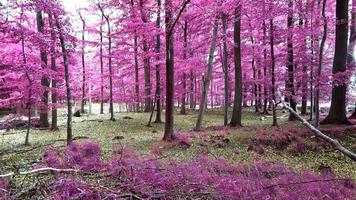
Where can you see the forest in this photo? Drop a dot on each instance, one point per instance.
(177, 99)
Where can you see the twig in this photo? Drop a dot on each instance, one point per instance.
(40, 170)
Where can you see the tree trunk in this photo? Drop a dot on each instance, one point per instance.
(158, 74)
(82, 110)
(337, 113)
(137, 86)
(192, 96)
(54, 125)
(237, 110)
(265, 88)
(44, 80)
(321, 54)
(24, 62)
(183, 110)
(305, 75)
(254, 72)
(273, 73)
(207, 77)
(101, 68)
(290, 65)
(146, 61)
(168, 128)
(225, 69)
(67, 79)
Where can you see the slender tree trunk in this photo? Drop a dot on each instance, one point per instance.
(312, 81)
(158, 74)
(67, 79)
(146, 61)
(137, 86)
(265, 88)
(290, 65)
(168, 128)
(305, 75)
(225, 69)
(254, 72)
(318, 75)
(184, 81)
(192, 96)
(101, 68)
(207, 77)
(237, 110)
(337, 113)
(273, 74)
(54, 125)
(44, 80)
(112, 118)
(24, 63)
(82, 110)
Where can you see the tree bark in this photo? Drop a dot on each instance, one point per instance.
(82, 110)
(207, 77)
(112, 118)
(67, 79)
(184, 81)
(237, 110)
(101, 68)
(265, 74)
(192, 92)
(158, 74)
(290, 65)
(225, 69)
(54, 125)
(146, 61)
(318, 75)
(337, 113)
(44, 80)
(274, 123)
(168, 128)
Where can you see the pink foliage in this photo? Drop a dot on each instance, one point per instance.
(202, 177)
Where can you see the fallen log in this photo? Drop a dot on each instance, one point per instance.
(335, 143)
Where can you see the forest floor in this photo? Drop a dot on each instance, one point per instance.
(133, 132)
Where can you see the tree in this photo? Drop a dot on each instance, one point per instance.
(337, 113)
(168, 128)
(44, 81)
(83, 64)
(207, 76)
(321, 54)
(225, 69)
(67, 79)
(237, 110)
(54, 125)
(290, 65)
(107, 19)
(158, 73)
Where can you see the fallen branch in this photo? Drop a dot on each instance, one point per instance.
(40, 170)
(335, 143)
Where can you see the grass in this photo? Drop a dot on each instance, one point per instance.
(142, 138)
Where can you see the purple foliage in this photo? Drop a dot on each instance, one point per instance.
(84, 156)
(199, 178)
